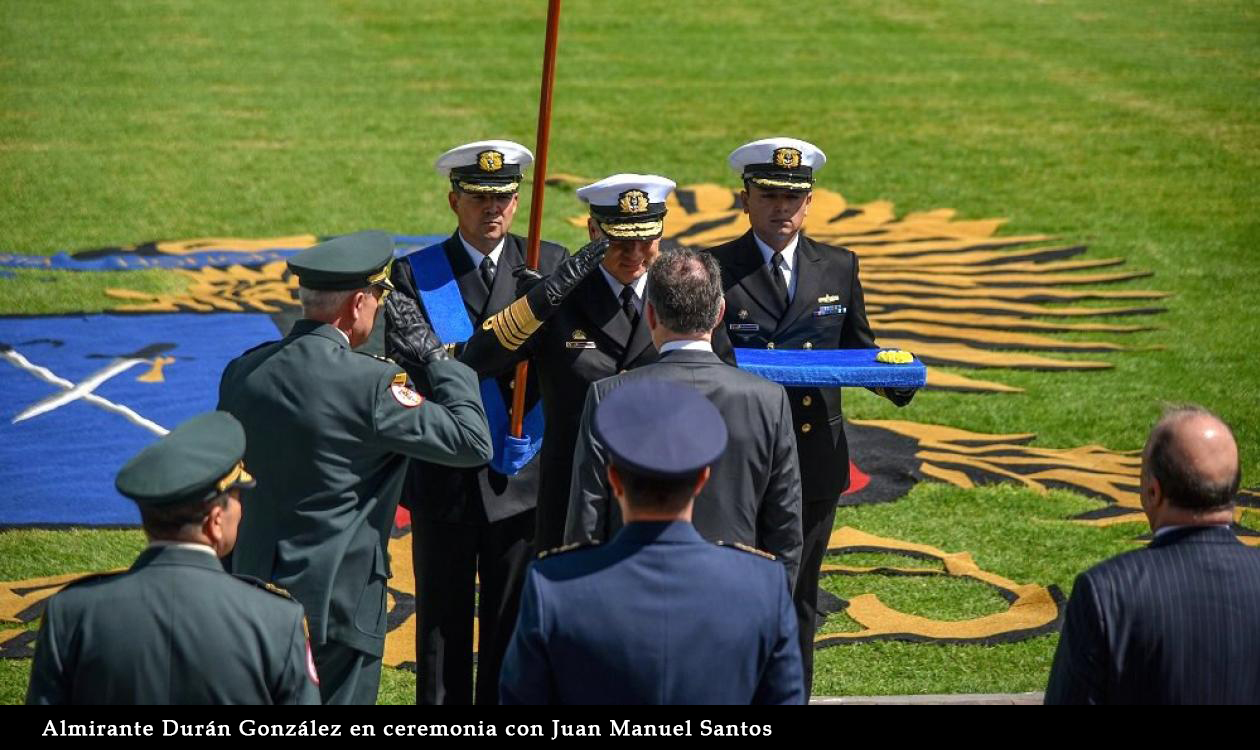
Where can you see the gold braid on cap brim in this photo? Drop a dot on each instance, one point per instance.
(786, 184)
(473, 187)
(514, 325)
(382, 276)
(237, 474)
(639, 230)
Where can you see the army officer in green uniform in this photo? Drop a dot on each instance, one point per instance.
(330, 431)
(175, 628)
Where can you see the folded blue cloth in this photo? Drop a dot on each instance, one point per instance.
(830, 368)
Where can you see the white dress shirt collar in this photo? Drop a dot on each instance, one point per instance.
(687, 345)
(789, 252)
(1168, 529)
(639, 286)
(185, 545)
(476, 255)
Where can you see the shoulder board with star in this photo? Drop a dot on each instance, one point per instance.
(264, 585)
(566, 548)
(748, 549)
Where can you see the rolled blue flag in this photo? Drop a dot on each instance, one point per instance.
(830, 368)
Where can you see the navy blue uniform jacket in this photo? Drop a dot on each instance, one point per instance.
(656, 616)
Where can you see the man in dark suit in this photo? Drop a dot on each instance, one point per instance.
(117, 638)
(658, 615)
(784, 291)
(579, 325)
(1178, 621)
(754, 496)
(471, 524)
(330, 431)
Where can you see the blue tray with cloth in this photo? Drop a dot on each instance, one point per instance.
(830, 368)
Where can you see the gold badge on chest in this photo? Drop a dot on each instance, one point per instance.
(577, 340)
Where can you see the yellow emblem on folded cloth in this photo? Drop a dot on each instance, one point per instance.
(894, 357)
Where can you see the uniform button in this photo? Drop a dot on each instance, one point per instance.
(770, 345)
(513, 385)
(807, 401)
(806, 427)
(809, 345)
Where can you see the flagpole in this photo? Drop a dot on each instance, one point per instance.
(536, 200)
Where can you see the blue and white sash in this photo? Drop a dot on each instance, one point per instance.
(435, 281)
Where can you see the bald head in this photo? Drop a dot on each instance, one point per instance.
(1192, 455)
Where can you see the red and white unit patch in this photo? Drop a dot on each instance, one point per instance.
(310, 664)
(405, 396)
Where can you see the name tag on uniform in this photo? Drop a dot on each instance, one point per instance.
(579, 344)
(743, 327)
(824, 310)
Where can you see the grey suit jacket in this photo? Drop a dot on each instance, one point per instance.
(754, 494)
(1177, 622)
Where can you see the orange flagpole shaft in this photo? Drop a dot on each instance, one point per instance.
(536, 201)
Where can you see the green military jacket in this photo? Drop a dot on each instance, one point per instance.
(174, 629)
(328, 431)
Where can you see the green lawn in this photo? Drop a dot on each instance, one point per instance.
(1132, 126)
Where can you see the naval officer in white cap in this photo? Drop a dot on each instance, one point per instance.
(785, 291)
(471, 524)
(582, 323)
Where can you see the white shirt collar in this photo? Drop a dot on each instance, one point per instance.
(1167, 529)
(185, 545)
(476, 255)
(344, 335)
(639, 285)
(687, 345)
(789, 252)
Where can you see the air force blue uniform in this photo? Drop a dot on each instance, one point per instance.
(657, 615)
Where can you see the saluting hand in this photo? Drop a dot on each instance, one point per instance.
(409, 338)
(572, 270)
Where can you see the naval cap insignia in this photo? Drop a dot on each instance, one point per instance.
(490, 161)
(633, 202)
(788, 158)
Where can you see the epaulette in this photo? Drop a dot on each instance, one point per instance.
(748, 549)
(264, 585)
(567, 548)
(256, 348)
(93, 577)
(375, 356)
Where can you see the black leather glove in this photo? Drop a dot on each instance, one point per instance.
(899, 396)
(409, 339)
(526, 279)
(544, 298)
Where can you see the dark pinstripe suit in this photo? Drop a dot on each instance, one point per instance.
(1177, 622)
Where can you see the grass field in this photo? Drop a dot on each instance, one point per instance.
(1131, 126)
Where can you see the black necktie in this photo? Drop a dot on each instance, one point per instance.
(780, 281)
(627, 306)
(487, 271)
